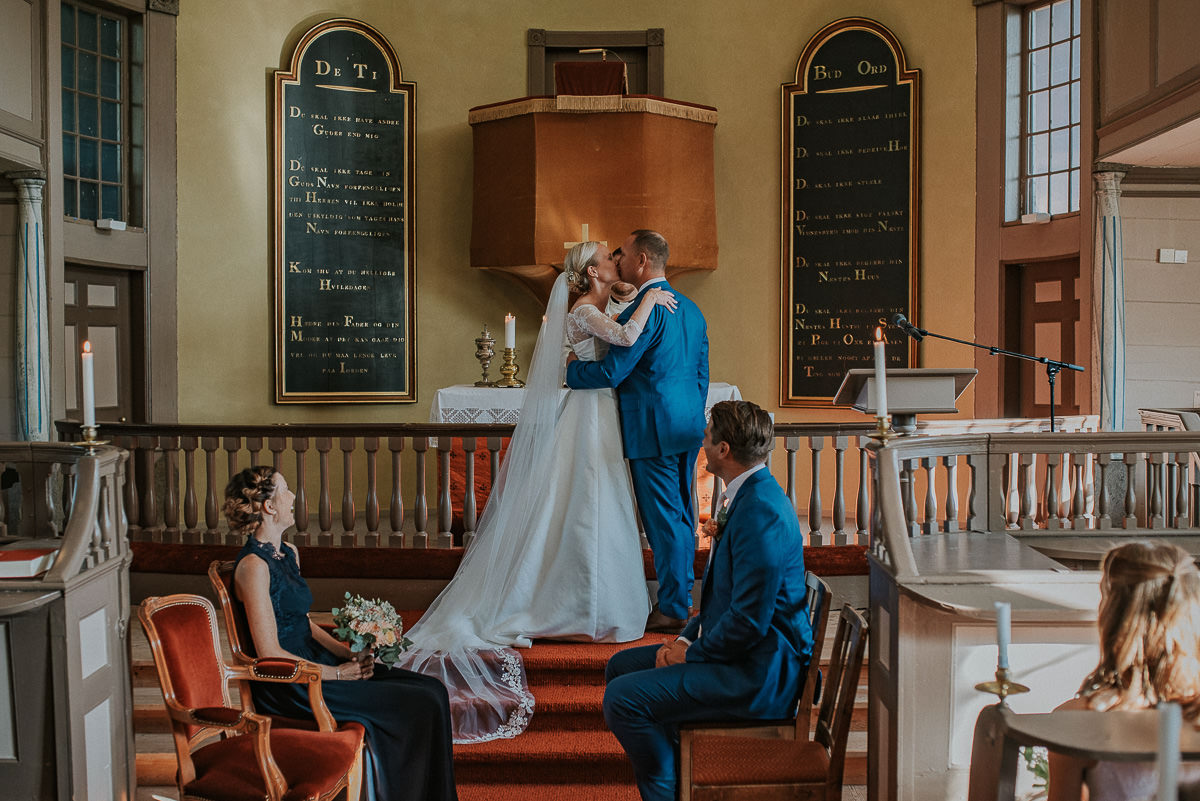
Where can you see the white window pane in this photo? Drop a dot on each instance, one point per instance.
(102, 296)
(1075, 59)
(1039, 111)
(1035, 197)
(1075, 27)
(104, 345)
(1060, 150)
(1039, 27)
(1060, 195)
(1074, 190)
(1038, 154)
(72, 361)
(1060, 21)
(1039, 69)
(1060, 63)
(1060, 106)
(1075, 103)
(1074, 145)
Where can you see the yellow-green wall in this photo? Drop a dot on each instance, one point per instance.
(463, 53)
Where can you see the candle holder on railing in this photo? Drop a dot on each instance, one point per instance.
(1001, 687)
(509, 370)
(485, 351)
(89, 438)
(883, 430)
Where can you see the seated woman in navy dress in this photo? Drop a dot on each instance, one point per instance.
(406, 715)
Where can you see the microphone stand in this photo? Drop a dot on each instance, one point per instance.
(1052, 366)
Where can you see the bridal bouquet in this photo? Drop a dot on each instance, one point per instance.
(374, 625)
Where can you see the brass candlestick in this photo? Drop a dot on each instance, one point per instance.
(485, 350)
(883, 431)
(1001, 687)
(89, 438)
(510, 369)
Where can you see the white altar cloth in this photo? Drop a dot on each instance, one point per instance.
(467, 403)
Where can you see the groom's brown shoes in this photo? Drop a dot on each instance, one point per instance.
(661, 623)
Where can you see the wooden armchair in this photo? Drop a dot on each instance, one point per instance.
(231, 754)
(727, 768)
(818, 599)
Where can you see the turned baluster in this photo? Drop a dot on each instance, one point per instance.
(349, 515)
(1154, 465)
(839, 490)
(1026, 515)
(908, 486)
(1078, 519)
(494, 444)
(371, 446)
(930, 525)
(420, 537)
(790, 446)
(863, 507)
(232, 445)
(1105, 518)
(132, 514)
(301, 537)
(1130, 460)
(191, 510)
(1063, 510)
(1183, 518)
(277, 445)
(1050, 502)
(445, 511)
(468, 445)
(324, 499)
(950, 463)
(1012, 496)
(972, 491)
(210, 445)
(816, 444)
(170, 447)
(254, 447)
(396, 501)
(1171, 493)
(149, 451)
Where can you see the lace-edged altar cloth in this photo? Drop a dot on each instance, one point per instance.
(467, 403)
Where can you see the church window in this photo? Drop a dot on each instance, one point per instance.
(1043, 112)
(102, 114)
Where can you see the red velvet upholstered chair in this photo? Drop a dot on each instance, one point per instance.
(231, 754)
(731, 768)
(819, 600)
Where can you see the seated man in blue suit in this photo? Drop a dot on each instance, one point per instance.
(745, 655)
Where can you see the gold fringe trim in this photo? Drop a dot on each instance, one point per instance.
(592, 104)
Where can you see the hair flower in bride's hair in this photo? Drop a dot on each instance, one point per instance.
(371, 625)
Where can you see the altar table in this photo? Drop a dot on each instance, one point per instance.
(467, 403)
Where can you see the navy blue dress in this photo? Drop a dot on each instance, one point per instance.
(406, 714)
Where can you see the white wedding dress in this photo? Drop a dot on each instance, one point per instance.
(556, 554)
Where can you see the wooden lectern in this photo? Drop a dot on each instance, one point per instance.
(911, 391)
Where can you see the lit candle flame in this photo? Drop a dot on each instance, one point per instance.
(878, 334)
(87, 346)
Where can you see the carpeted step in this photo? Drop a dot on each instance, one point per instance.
(544, 757)
(475, 791)
(568, 708)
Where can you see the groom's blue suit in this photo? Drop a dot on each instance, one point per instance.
(751, 642)
(662, 384)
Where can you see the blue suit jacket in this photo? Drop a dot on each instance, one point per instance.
(752, 640)
(661, 380)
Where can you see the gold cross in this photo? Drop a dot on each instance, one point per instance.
(583, 237)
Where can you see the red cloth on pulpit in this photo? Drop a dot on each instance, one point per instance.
(589, 78)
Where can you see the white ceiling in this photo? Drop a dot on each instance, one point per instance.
(1178, 147)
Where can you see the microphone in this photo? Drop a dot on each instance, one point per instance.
(904, 325)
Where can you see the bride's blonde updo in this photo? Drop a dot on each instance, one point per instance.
(1149, 622)
(245, 495)
(578, 260)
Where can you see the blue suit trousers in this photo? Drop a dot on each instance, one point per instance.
(663, 488)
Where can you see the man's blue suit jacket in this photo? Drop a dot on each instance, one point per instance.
(752, 640)
(661, 380)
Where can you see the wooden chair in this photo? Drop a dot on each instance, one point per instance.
(231, 754)
(237, 627)
(728, 768)
(818, 602)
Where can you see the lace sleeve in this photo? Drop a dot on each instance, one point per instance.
(599, 324)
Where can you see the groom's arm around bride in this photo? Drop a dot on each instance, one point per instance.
(745, 655)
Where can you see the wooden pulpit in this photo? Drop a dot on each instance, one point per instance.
(910, 390)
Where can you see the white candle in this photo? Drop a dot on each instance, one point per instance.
(880, 375)
(510, 331)
(1003, 633)
(1170, 718)
(89, 386)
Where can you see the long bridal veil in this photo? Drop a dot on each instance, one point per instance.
(458, 638)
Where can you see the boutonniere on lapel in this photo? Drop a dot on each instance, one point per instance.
(715, 526)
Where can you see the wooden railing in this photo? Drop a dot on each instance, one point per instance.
(1033, 484)
(374, 485)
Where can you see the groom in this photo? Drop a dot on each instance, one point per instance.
(662, 384)
(745, 655)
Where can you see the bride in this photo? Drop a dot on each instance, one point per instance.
(556, 553)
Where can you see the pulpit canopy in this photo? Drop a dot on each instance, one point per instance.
(542, 174)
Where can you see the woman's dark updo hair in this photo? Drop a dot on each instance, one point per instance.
(245, 495)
